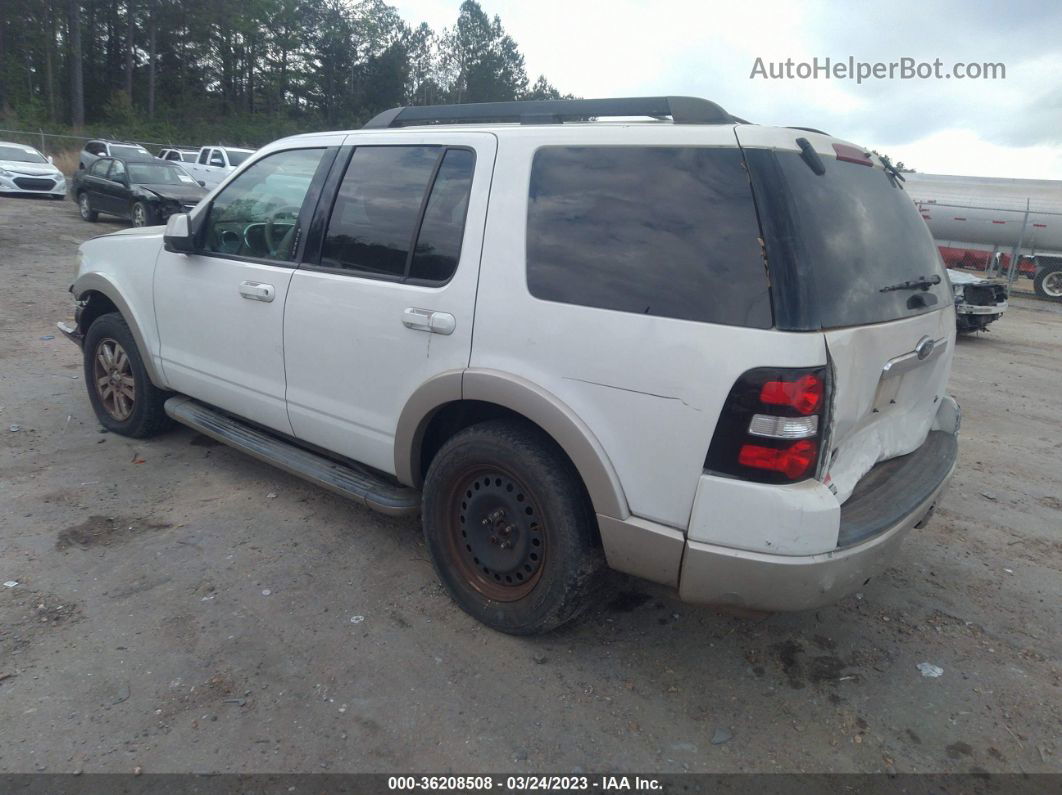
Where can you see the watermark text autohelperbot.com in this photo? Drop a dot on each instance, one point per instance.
(851, 69)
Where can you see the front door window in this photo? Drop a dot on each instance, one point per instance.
(257, 214)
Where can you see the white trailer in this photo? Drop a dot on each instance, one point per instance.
(1022, 217)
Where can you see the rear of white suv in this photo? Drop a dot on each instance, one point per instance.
(710, 354)
(758, 335)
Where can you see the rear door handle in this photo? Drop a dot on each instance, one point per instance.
(429, 320)
(256, 291)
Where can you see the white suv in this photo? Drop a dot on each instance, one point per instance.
(707, 353)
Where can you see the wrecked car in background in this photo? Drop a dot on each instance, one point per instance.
(978, 301)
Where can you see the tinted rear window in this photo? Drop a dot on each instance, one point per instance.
(395, 197)
(665, 231)
(130, 152)
(835, 241)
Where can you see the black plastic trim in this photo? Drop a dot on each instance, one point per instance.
(893, 489)
(681, 110)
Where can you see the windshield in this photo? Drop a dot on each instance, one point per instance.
(130, 152)
(20, 154)
(845, 248)
(158, 174)
(236, 156)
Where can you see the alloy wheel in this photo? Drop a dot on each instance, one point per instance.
(83, 205)
(113, 378)
(139, 216)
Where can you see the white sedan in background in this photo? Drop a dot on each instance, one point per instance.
(25, 170)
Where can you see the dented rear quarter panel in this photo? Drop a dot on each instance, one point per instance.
(650, 388)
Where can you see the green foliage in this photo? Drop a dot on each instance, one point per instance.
(243, 71)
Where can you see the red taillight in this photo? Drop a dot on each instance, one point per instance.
(772, 426)
(804, 394)
(792, 461)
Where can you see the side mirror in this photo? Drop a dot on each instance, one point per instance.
(178, 237)
(50, 160)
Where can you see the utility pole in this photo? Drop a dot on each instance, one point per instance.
(1012, 271)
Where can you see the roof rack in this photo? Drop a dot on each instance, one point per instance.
(681, 110)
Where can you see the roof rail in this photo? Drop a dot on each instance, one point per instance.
(682, 110)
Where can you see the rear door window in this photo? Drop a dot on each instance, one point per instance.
(400, 213)
(664, 231)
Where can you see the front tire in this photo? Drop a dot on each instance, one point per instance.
(143, 215)
(83, 206)
(510, 528)
(1048, 282)
(121, 393)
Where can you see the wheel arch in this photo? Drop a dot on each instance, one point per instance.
(100, 296)
(453, 400)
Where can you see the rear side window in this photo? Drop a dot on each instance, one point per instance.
(400, 213)
(664, 231)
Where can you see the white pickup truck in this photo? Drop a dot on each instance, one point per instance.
(214, 163)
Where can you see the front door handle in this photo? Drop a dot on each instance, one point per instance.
(429, 320)
(256, 291)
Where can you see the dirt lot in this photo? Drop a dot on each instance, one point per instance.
(181, 607)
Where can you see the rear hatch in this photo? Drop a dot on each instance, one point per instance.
(850, 257)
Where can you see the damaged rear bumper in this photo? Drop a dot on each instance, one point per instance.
(720, 575)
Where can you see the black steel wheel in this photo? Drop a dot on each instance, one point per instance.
(510, 528)
(498, 540)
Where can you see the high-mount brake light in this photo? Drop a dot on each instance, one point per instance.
(772, 425)
(852, 154)
(804, 394)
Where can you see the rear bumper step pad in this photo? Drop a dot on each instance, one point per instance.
(373, 491)
(893, 488)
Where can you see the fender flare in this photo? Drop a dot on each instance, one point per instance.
(525, 398)
(97, 283)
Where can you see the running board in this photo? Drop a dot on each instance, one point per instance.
(362, 486)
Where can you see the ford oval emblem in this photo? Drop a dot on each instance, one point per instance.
(924, 348)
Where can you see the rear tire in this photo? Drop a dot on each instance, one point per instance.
(1048, 282)
(510, 528)
(87, 213)
(121, 393)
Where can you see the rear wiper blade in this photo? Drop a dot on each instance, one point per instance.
(921, 283)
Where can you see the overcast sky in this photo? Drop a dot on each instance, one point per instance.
(1003, 128)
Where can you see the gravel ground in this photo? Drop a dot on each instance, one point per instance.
(181, 607)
